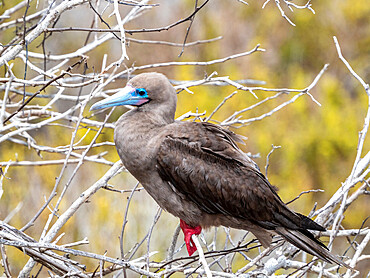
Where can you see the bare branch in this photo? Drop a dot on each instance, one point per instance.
(48, 20)
(51, 76)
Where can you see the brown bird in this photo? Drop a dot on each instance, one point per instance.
(196, 171)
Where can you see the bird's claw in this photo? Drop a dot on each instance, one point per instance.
(188, 232)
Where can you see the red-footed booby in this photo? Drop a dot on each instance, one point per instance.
(196, 171)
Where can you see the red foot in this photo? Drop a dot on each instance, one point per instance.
(188, 232)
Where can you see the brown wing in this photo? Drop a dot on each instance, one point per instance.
(212, 139)
(207, 174)
(206, 166)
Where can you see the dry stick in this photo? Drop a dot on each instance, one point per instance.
(125, 220)
(15, 238)
(2, 176)
(341, 57)
(189, 271)
(347, 233)
(207, 63)
(259, 257)
(32, 221)
(136, 247)
(55, 116)
(5, 263)
(58, 267)
(13, 212)
(25, 43)
(101, 267)
(6, 94)
(82, 156)
(95, 78)
(209, 255)
(308, 6)
(12, 237)
(216, 260)
(361, 140)
(135, 3)
(122, 31)
(341, 195)
(225, 80)
(208, 80)
(53, 193)
(37, 246)
(65, 149)
(268, 159)
(20, 82)
(42, 73)
(361, 190)
(171, 249)
(12, 23)
(187, 84)
(305, 91)
(211, 62)
(220, 105)
(237, 113)
(231, 120)
(82, 104)
(156, 218)
(12, 10)
(188, 30)
(75, 170)
(131, 14)
(49, 19)
(65, 97)
(168, 26)
(357, 254)
(367, 118)
(38, 125)
(277, 2)
(43, 88)
(202, 259)
(304, 192)
(56, 162)
(227, 253)
(174, 44)
(72, 210)
(61, 150)
(228, 239)
(241, 1)
(310, 268)
(97, 15)
(81, 51)
(359, 164)
(110, 188)
(268, 114)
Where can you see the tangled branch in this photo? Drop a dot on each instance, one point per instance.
(53, 97)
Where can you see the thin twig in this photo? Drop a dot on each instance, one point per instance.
(202, 259)
(268, 157)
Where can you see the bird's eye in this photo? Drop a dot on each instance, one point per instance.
(141, 92)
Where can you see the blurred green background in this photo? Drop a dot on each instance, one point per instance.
(318, 144)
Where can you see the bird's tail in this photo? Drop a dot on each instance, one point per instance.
(307, 242)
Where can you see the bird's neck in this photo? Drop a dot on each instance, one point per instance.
(146, 120)
(135, 136)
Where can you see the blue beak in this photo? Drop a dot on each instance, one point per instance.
(127, 96)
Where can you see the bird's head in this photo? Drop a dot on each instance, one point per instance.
(144, 89)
